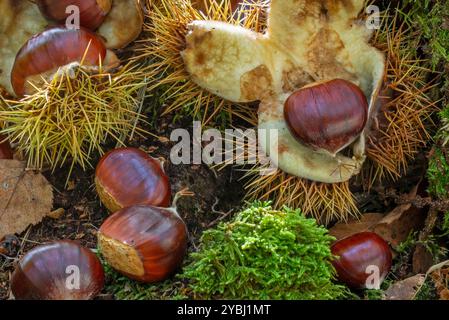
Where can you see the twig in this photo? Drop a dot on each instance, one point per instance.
(419, 202)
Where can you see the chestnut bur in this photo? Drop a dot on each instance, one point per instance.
(55, 47)
(359, 256)
(327, 115)
(45, 272)
(92, 12)
(128, 176)
(144, 243)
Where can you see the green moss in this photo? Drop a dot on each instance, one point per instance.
(431, 18)
(445, 224)
(378, 294)
(427, 291)
(126, 289)
(438, 174)
(264, 254)
(405, 249)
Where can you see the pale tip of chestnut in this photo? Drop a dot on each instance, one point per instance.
(121, 256)
(144, 243)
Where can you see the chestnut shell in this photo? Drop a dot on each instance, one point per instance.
(327, 115)
(128, 176)
(54, 48)
(92, 12)
(42, 273)
(144, 243)
(356, 253)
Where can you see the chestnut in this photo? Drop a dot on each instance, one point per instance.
(5, 149)
(56, 47)
(92, 12)
(143, 242)
(327, 115)
(359, 256)
(62, 270)
(128, 176)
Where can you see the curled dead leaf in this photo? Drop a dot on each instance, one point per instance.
(57, 214)
(345, 229)
(440, 278)
(405, 289)
(396, 226)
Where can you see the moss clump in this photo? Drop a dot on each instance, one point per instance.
(123, 288)
(445, 224)
(438, 174)
(432, 20)
(264, 254)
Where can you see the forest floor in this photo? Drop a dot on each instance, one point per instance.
(217, 194)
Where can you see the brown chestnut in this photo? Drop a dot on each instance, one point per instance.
(359, 257)
(5, 149)
(327, 115)
(143, 242)
(44, 53)
(92, 12)
(128, 176)
(61, 270)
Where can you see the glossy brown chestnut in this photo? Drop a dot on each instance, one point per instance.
(92, 12)
(51, 49)
(61, 270)
(128, 176)
(143, 242)
(358, 256)
(5, 149)
(327, 115)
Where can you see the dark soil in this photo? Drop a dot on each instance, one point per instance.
(217, 194)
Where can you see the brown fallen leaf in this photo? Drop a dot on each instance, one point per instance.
(57, 214)
(26, 197)
(405, 289)
(422, 259)
(342, 230)
(70, 185)
(441, 280)
(396, 226)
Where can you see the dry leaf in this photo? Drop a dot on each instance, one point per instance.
(26, 197)
(405, 289)
(441, 280)
(342, 230)
(422, 259)
(396, 226)
(57, 214)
